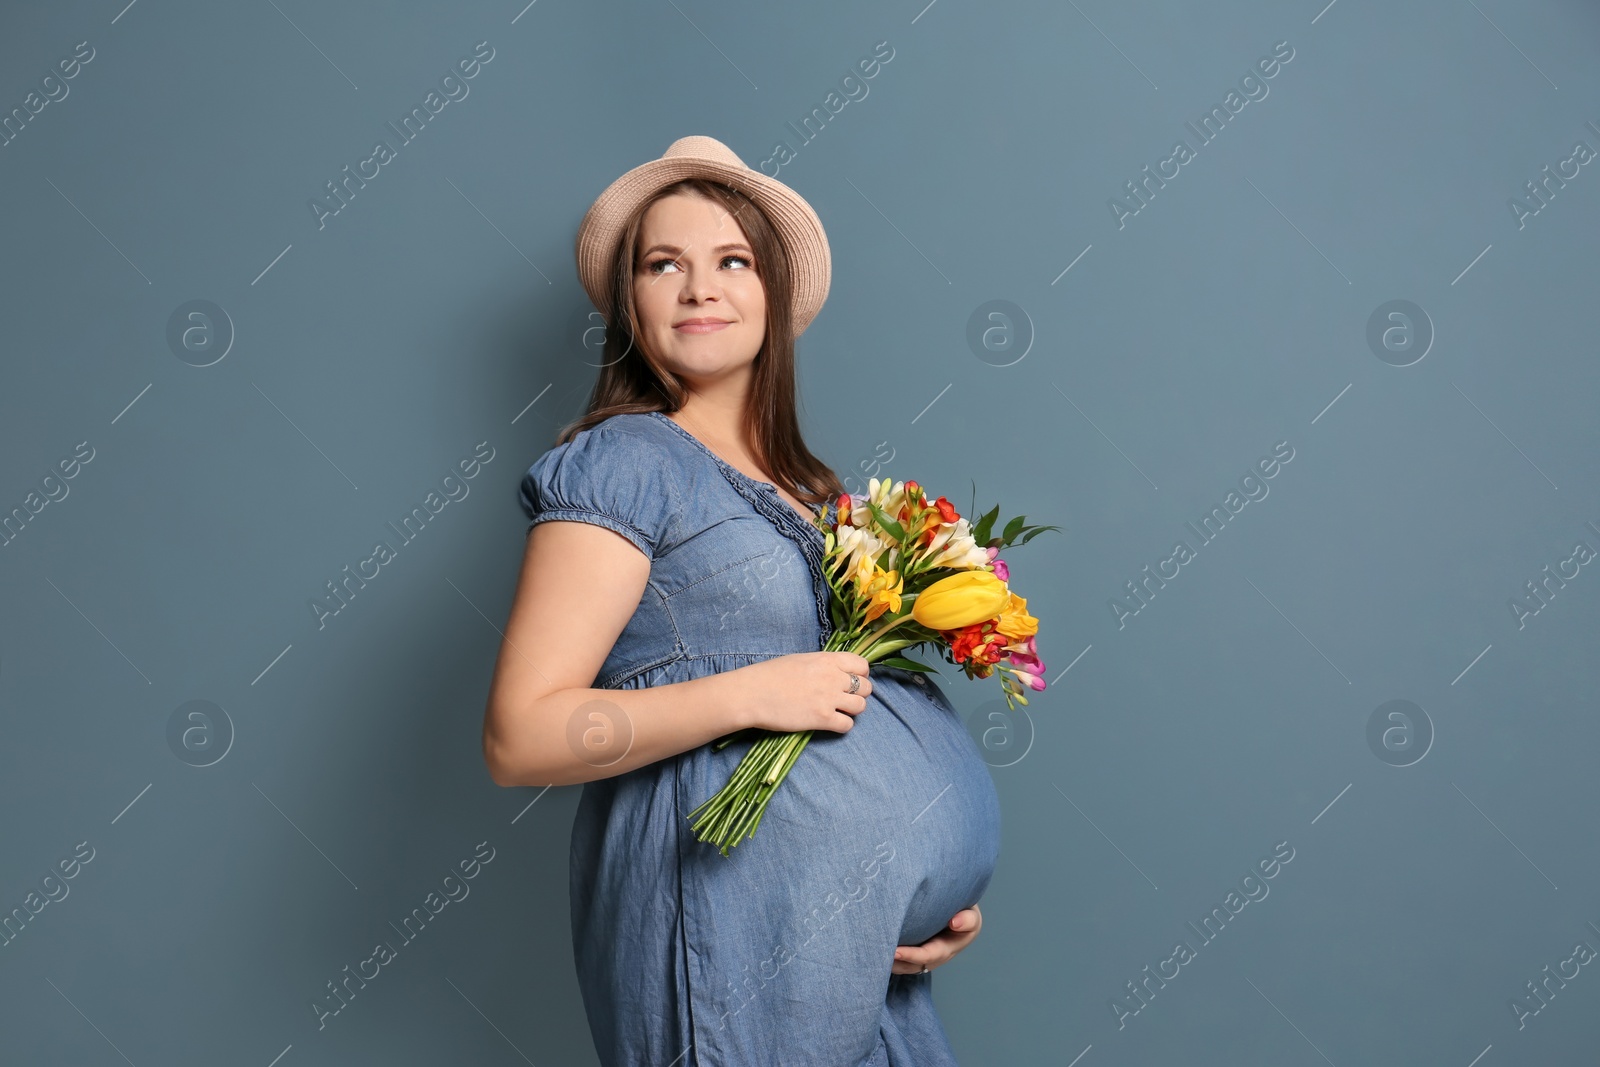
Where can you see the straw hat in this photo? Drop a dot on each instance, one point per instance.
(798, 226)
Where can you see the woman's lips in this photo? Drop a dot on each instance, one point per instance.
(702, 327)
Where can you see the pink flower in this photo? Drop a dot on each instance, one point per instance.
(1026, 664)
(1001, 571)
(1023, 662)
(1031, 680)
(1028, 646)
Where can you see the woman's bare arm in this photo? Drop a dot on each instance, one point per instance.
(579, 586)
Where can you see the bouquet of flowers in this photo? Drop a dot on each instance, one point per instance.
(903, 571)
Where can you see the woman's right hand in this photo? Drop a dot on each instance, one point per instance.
(802, 691)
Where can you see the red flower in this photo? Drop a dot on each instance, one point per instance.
(978, 643)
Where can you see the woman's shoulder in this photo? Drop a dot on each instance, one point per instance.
(620, 467)
(640, 431)
(625, 440)
(643, 426)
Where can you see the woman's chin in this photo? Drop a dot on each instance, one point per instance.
(696, 359)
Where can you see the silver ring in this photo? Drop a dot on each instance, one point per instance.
(855, 684)
(924, 969)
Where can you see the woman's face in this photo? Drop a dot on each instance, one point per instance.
(695, 264)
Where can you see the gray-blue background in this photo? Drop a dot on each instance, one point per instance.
(366, 358)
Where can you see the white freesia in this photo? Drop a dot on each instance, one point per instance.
(941, 538)
(953, 546)
(890, 496)
(970, 558)
(859, 550)
(848, 538)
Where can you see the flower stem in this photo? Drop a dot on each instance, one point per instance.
(872, 638)
(736, 810)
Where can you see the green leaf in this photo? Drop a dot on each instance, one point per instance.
(905, 664)
(1035, 531)
(980, 529)
(1013, 527)
(892, 528)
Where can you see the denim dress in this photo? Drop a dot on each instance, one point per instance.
(780, 953)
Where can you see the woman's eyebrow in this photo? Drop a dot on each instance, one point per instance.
(675, 250)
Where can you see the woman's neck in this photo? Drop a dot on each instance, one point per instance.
(716, 415)
(718, 422)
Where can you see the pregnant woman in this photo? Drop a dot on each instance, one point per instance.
(672, 594)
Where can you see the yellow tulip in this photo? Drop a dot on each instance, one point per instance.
(961, 600)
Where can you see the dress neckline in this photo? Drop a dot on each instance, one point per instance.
(764, 498)
(735, 473)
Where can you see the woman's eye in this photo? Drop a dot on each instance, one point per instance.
(651, 267)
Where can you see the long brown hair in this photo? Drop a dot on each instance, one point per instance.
(631, 380)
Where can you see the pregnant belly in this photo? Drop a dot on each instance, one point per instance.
(901, 806)
(876, 838)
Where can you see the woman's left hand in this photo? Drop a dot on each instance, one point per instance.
(942, 946)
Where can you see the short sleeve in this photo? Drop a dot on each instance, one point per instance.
(605, 476)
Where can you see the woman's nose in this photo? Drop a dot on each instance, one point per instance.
(700, 285)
